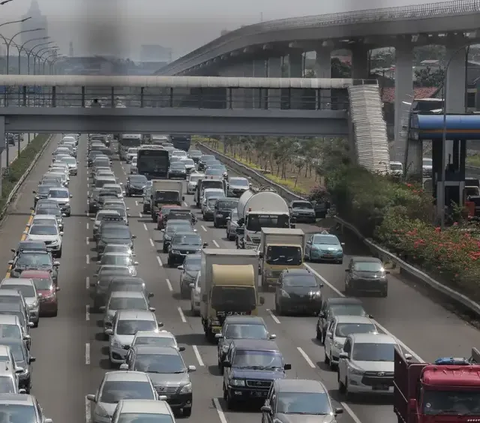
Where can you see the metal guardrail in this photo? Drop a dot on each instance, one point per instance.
(375, 249)
(412, 12)
(20, 182)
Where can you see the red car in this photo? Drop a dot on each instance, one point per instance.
(162, 214)
(47, 291)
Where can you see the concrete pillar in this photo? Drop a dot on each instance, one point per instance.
(274, 70)
(259, 71)
(235, 71)
(295, 69)
(403, 93)
(360, 62)
(323, 69)
(247, 93)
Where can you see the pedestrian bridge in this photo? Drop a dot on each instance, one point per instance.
(197, 105)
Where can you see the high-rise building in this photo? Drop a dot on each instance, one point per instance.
(155, 53)
(37, 21)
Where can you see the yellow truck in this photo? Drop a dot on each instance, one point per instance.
(228, 286)
(280, 249)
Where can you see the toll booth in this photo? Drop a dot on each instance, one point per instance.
(458, 128)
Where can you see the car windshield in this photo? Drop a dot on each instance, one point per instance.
(177, 165)
(213, 171)
(114, 391)
(373, 352)
(116, 232)
(187, 240)
(144, 417)
(211, 202)
(116, 208)
(10, 331)
(227, 204)
(114, 270)
(131, 327)
(284, 255)
(127, 304)
(45, 222)
(43, 230)
(138, 179)
(44, 189)
(258, 359)
(158, 341)
(456, 403)
(107, 214)
(19, 314)
(195, 178)
(307, 403)
(7, 386)
(216, 194)
(428, 162)
(159, 363)
(69, 160)
(188, 162)
(127, 286)
(345, 329)
(171, 229)
(246, 331)
(192, 263)
(238, 182)
(13, 413)
(114, 188)
(51, 211)
(325, 240)
(117, 249)
(27, 291)
(42, 284)
(117, 260)
(347, 310)
(307, 281)
(28, 259)
(368, 266)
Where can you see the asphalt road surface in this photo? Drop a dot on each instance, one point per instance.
(72, 355)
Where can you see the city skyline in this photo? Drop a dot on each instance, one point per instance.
(120, 27)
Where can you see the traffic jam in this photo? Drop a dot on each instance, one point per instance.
(229, 289)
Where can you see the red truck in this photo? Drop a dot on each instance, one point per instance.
(447, 391)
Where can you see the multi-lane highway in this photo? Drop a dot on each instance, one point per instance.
(71, 352)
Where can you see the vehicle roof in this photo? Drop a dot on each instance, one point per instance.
(255, 345)
(452, 375)
(366, 259)
(10, 293)
(17, 399)
(4, 349)
(24, 244)
(17, 281)
(183, 233)
(123, 375)
(8, 319)
(106, 267)
(126, 294)
(11, 307)
(36, 274)
(297, 272)
(144, 406)
(354, 319)
(106, 186)
(377, 338)
(344, 300)
(174, 222)
(58, 189)
(116, 253)
(44, 216)
(154, 334)
(299, 385)
(136, 315)
(154, 349)
(249, 320)
(107, 211)
(126, 279)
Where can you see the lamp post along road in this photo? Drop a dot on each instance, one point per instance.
(9, 43)
(31, 53)
(23, 48)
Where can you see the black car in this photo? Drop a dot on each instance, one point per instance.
(136, 185)
(202, 161)
(23, 359)
(127, 283)
(180, 214)
(29, 246)
(177, 170)
(302, 211)
(195, 155)
(34, 260)
(250, 368)
(183, 244)
(114, 234)
(168, 372)
(298, 291)
(239, 327)
(172, 228)
(366, 275)
(223, 207)
(190, 269)
(340, 306)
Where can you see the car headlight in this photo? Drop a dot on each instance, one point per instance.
(285, 294)
(337, 344)
(168, 238)
(101, 412)
(116, 344)
(175, 252)
(315, 294)
(225, 348)
(354, 371)
(186, 389)
(237, 382)
(34, 304)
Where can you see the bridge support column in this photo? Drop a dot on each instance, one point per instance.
(360, 62)
(274, 70)
(259, 71)
(248, 93)
(295, 64)
(235, 71)
(323, 69)
(403, 92)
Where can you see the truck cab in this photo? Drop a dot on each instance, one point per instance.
(447, 390)
(165, 192)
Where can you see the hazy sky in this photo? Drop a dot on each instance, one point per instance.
(121, 26)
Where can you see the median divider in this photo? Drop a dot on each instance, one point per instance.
(391, 262)
(19, 170)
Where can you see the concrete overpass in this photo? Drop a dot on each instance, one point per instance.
(263, 49)
(199, 105)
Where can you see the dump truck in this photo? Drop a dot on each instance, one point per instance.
(262, 209)
(280, 249)
(228, 285)
(165, 192)
(447, 390)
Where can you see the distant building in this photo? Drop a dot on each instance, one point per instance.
(71, 52)
(37, 21)
(155, 53)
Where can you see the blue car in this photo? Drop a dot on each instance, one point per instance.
(324, 247)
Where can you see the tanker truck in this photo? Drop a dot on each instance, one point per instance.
(257, 210)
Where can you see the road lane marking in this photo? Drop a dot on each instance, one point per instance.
(88, 193)
(87, 239)
(136, 202)
(87, 282)
(87, 353)
(275, 318)
(350, 412)
(216, 244)
(185, 204)
(341, 294)
(87, 312)
(87, 258)
(182, 316)
(218, 407)
(198, 356)
(88, 226)
(88, 411)
(170, 287)
(204, 228)
(140, 214)
(159, 261)
(145, 226)
(152, 243)
(307, 358)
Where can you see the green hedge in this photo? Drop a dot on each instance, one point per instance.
(20, 165)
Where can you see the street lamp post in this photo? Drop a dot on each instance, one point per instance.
(32, 53)
(22, 48)
(46, 60)
(38, 56)
(9, 43)
(46, 53)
